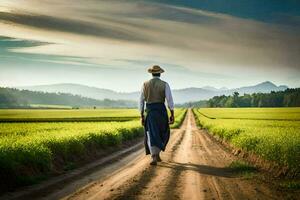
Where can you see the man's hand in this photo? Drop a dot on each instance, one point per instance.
(142, 120)
(172, 119)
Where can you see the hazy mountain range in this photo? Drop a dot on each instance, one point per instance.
(180, 95)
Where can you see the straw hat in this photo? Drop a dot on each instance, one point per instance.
(155, 69)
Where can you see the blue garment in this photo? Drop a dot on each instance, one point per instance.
(157, 124)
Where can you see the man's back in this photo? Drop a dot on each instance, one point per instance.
(154, 91)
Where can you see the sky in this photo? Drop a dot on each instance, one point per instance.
(110, 44)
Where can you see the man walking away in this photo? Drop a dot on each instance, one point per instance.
(156, 124)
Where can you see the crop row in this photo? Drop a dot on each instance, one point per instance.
(29, 150)
(58, 115)
(274, 140)
(69, 119)
(179, 117)
(287, 114)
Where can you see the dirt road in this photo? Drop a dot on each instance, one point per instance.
(194, 167)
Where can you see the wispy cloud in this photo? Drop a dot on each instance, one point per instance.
(116, 33)
(52, 23)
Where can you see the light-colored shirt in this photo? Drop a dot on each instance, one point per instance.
(168, 95)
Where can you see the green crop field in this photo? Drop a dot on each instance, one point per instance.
(272, 133)
(29, 150)
(289, 114)
(59, 115)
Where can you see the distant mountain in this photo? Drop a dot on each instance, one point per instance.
(83, 90)
(180, 95)
(210, 88)
(16, 98)
(192, 94)
(264, 87)
(223, 88)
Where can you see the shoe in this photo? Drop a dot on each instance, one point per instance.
(154, 160)
(158, 158)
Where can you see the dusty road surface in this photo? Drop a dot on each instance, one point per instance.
(194, 167)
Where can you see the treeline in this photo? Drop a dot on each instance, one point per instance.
(15, 98)
(286, 98)
(197, 104)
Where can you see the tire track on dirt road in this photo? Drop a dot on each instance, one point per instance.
(163, 178)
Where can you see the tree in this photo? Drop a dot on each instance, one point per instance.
(235, 99)
(289, 97)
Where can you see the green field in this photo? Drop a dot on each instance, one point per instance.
(289, 114)
(32, 149)
(272, 133)
(59, 115)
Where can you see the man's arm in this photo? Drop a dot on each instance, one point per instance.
(169, 98)
(141, 106)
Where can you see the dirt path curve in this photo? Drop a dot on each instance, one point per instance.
(193, 167)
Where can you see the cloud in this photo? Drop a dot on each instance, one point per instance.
(52, 23)
(10, 51)
(115, 33)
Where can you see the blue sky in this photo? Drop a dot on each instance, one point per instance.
(271, 11)
(110, 44)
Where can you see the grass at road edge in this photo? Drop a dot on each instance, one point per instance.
(243, 168)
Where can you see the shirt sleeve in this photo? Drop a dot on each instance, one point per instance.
(169, 97)
(142, 101)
